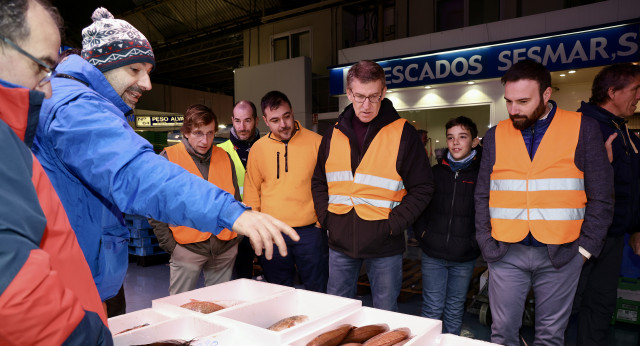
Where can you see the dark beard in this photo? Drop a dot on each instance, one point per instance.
(524, 121)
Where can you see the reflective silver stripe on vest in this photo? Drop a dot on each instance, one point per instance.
(375, 202)
(383, 183)
(339, 176)
(508, 213)
(550, 184)
(508, 185)
(548, 214)
(241, 190)
(556, 184)
(338, 199)
(557, 214)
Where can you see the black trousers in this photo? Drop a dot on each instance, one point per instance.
(595, 299)
(244, 260)
(117, 305)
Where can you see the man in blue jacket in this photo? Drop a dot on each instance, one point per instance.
(101, 168)
(614, 97)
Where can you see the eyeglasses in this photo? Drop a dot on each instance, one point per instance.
(360, 98)
(199, 134)
(51, 72)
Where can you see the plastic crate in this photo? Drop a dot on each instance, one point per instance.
(142, 233)
(136, 222)
(145, 250)
(143, 241)
(628, 302)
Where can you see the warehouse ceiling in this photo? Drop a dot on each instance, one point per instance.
(197, 43)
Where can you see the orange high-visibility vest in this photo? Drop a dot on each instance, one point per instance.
(219, 174)
(545, 196)
(376, 187)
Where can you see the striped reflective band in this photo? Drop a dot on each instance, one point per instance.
(375, 202)
(346, 200)
(538, 184)
(339, 176)
(338, 199)
(557, 214)
(508, 213)
(548, 214)
(383, 183)
(556, 184)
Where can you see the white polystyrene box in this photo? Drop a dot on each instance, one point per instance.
(201, 331)
(137, 318)
(251, 321)
(455, 340)
(228, 294)
(424, 331)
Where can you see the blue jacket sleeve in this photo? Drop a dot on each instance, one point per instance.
(99, 147)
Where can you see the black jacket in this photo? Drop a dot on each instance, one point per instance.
(446, 230)
(360, 238)
(626, 169)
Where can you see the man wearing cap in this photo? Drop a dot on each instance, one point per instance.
(101, 168)
(243, 135)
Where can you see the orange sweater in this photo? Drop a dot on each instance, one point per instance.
(281, 186)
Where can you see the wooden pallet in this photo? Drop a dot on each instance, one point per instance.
(411, 280)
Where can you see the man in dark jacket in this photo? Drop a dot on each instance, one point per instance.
(372, 180)
(614, 95)
(542, 206)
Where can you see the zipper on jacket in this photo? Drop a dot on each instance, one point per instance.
(286, 157)
(626, 149)
(453, 199)
(533, 139)
(278, 165)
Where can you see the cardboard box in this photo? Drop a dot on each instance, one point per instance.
(252, 320)
(228, 294)
(202, 332)
(424, 331)
(137, 318)
(456, 340)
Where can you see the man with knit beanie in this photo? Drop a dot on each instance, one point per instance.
(101, 168)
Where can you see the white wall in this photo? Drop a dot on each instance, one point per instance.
(292, 77)
(257, 41)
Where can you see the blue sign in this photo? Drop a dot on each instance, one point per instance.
(587, 48)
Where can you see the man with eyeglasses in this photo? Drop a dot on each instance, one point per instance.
(47, 294)
(101, 168)
(372, 180)
(193, 251)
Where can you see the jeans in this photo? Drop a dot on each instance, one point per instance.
(309, 256)
(511, 277)
(444, 291)
(385, 276)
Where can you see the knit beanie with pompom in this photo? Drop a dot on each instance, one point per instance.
(110, 43)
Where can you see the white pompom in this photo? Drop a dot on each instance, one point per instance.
(101, 13)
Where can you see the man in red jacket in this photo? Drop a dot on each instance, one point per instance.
(47, 294)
